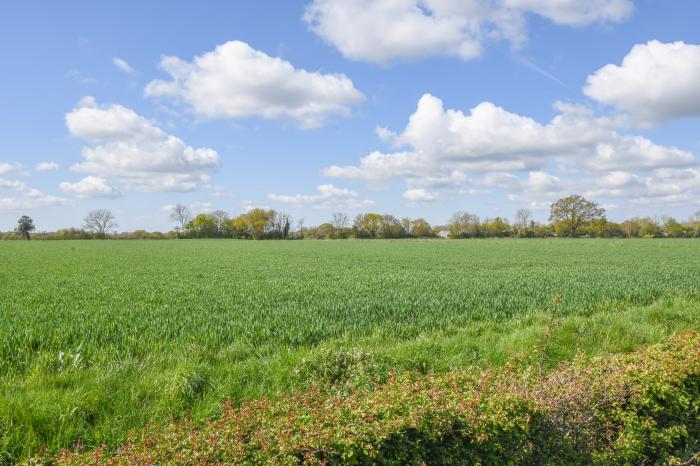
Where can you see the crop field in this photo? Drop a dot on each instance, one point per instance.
(100, 337)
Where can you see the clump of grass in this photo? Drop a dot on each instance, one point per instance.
(341, 371)
(183, 387)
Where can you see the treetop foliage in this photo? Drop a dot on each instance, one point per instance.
(572, 216)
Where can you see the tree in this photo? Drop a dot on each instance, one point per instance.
(100, 222)
(673, 229)
(630, 227)
(203, 226)
(181, 215)
(420, 228)
(602, 228)
(695, 223)
(279, 224)
(255, 224)
(220, 218)
(497, 227)
(572, 212)
(649, 228)
(463, 225)
(25, 225)
(391, 227)
(367, 225)
(300, 228)
(339, 222)
(323, 231)
(522, 219)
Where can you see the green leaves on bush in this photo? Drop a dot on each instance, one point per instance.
(623, 409)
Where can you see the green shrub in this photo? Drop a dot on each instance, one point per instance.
(623, 409)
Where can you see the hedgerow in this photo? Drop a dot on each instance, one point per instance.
(636, 408)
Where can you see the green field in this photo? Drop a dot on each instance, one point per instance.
(98, 337)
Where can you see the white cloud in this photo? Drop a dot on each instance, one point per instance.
(444, 146)
(28, 198)
(421, 195)
(46, 166)
(6, 168)
(250, 205)
(123, 65)
(328, 197)
(661, 187)
(90, 187)
(531, 162)
(87, 101)
(383, 31)
(219, 191)
(577, 12)
(16, 204)
(13, 185)
(237, 81)
(202, 207)
(131, 149)
(655, 82)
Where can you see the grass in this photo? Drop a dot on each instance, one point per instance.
(96, 338)
(636, 408)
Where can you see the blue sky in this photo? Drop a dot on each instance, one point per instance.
(482, 105)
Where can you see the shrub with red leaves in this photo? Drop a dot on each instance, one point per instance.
(623, 409)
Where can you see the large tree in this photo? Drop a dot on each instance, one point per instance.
(181, 215)
(100, 222)
(339, 222)
(391, 227)
(522, 220)
(497, 227)
(420, 228)
(572, 212)
(203, 226)
(220, 217)
(256, 223)
(463, 225)
(25, 225)
(367, 225)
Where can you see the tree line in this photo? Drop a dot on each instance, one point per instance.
(572, 216)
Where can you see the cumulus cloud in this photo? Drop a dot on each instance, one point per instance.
(445, 145)
(327, 197)
(123, 65)
(655, 82)
(90, 187)
(533, 162)
(129, 148)
(660, 187)
(26, 197)
(383, 31)
(421, 195)
(46, 166)
(237, 81)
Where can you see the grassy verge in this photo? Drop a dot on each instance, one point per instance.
(637, 408)
(57, 404)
